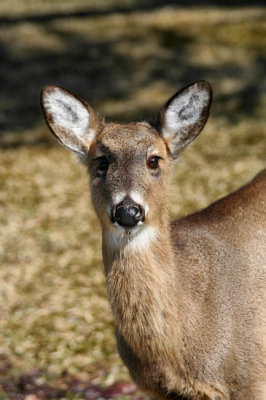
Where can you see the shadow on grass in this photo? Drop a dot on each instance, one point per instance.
(145, 5)
(94, 69)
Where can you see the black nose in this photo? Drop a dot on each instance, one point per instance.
(127, 213)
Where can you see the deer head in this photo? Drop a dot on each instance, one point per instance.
(128, 164)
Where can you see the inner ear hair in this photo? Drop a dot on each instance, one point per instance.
(71, 120)
(184, 115)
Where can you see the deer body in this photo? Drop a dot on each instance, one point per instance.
(181, 311)
(188, 298)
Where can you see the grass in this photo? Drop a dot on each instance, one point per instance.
(54, 313)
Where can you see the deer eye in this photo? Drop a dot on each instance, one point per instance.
(103, 164)
(153, 162)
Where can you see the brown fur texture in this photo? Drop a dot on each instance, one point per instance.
(188, 298)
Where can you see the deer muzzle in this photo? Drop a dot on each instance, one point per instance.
(127, 213)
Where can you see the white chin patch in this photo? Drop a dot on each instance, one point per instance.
(131, 239)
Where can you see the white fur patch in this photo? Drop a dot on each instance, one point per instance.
(118, 197)
(185, 110)
(140, 237)
(70, 115)
(137, 198)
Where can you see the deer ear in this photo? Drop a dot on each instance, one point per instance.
(70, 119)
(184, 115)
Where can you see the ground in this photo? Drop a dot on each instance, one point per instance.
(125, 58)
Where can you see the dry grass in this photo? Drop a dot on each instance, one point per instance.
(54, 311)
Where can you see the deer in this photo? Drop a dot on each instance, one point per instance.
(188, 296)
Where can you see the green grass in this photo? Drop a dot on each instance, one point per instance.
(54, 313)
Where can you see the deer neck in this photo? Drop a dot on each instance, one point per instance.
(143, 291)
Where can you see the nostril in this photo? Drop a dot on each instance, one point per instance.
(133, 211)
(119, 212)
(140, 213)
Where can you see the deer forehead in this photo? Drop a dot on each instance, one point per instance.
(135, 138)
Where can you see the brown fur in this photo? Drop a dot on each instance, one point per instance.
(191, 317)
(189, 307)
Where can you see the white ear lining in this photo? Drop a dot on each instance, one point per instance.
(69, 119)
(185, 110)
(67, 112)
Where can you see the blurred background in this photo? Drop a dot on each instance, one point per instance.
(126, 58)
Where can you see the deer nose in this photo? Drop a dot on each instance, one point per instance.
(128, 213)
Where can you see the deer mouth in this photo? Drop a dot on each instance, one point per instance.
(128, 230)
